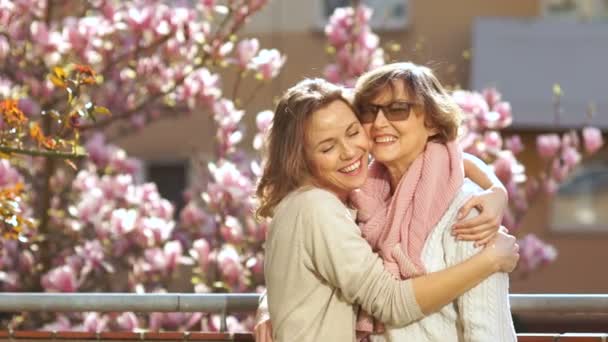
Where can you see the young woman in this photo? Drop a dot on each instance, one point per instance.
(318, 266)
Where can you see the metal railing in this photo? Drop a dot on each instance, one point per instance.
(562, 307)
(243, 302)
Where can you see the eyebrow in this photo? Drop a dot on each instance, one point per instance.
(354, 123)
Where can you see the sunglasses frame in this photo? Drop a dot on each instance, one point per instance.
(389, 113)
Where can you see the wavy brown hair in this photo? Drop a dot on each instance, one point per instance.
(441, 112)
(285, 164)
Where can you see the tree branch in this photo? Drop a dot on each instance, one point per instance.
(42, 153)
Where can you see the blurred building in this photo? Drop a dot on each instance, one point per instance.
(522, 47)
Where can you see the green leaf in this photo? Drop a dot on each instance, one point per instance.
(70, 94)
(102, 110)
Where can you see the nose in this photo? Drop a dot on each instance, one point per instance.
(348, 151)
(381, 120)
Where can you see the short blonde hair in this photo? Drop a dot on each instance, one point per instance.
(440, 110)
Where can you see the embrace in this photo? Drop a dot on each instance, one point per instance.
(406, 248)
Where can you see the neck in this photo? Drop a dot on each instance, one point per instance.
(398, 168)
(343, 196)
(396, 172)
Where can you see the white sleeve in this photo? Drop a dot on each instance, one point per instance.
(483, 311)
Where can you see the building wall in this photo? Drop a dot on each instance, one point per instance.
(438, 34)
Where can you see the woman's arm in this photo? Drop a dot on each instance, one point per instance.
(491, 203)
(435, 290)
(482, 174)
(341, 257)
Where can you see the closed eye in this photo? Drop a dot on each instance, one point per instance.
(327, 149)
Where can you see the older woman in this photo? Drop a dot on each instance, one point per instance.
(411, 200)
(318, 266)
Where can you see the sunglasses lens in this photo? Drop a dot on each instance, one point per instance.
(397, 114)
(367, 116)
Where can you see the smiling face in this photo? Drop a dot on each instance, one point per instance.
(397, 143)
(336, 149)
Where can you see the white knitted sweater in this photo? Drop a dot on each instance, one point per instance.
(481, 314)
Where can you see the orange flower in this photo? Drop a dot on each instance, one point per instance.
(11, 114)
(42, 140)
(87, 72)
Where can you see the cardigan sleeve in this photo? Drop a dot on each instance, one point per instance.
(339, 255)
(483, 311)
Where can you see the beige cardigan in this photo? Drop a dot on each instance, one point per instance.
(318, 268)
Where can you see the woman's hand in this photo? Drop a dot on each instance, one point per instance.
(503, 250)
(491, 204)
(263, 331)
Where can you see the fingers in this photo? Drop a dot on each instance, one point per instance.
(478, 220)
(478, 228)
(483, 233)
(466, 208)
(484, 240)
(263, 333)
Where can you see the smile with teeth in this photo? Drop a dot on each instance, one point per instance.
(352, 167)
(385, 139)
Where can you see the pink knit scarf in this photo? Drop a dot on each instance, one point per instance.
(397, 225)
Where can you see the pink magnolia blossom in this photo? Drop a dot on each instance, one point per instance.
(337, 34)
(535, 253)
(492, 96)
(503, 168)
(139, 18)
(548, 145)
(226, 114)
(173, 251)
(192, 216)
(593, 139)
(232, 230)
(550, 186)
(122, 221)
(332, 73)
(256, 265)
(9, 176)
(62, 323)
(200, 251)
(246, 50)
(153, 231)
(471, 103)
(60, 279)
(95, 322)
(4, 47)
(571, 156)
(268, 63)
(231, 180)
(127, 321)
(514, 144)
(493, 140)
(263, 121)
(228, 261)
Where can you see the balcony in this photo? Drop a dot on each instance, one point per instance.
(561, 309)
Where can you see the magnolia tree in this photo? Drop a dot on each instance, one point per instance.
(357, 49)
(97, 229)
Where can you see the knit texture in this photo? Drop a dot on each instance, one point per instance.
(481, 314)
(397, 225)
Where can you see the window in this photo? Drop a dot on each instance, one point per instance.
(581, 203)
(171, 178)
(388, 14)
(576, 9)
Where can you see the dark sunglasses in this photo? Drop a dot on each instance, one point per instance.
(394, 111)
